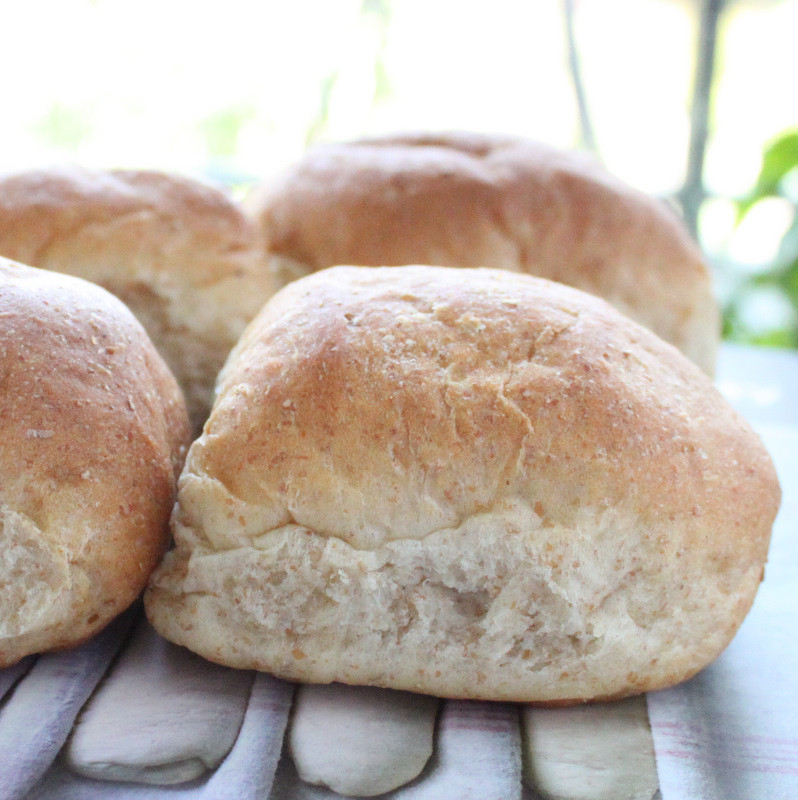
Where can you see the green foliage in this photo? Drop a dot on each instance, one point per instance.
(375, 15)
(779, 159)
(222, 128)
(381, 9)
(318, 124)
(64, 127)
(780, 279)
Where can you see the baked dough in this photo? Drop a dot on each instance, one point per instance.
(467, 483)
(475, 200)
(178, 252)
(93, 432)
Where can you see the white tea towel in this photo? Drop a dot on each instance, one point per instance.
(163, 715)
(37, 718)
(246, 774)
(477, 755)
(11, 675)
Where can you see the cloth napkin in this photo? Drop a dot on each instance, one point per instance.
(246, 774)
(38, 716)
(10, 676)
(477, 757)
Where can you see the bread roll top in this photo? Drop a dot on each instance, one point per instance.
(468, 483)
(93, 432)
(475, 200)
(178, 252)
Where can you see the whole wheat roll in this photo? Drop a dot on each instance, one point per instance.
(468, 483)
(178, 251)
(93, 433)
(460, 199)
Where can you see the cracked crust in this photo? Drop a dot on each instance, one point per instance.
(93, 432)
(468, 200)
(468, 483)
(180, 254)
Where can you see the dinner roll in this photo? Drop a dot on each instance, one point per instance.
(93, 432)
(468, 483)
(178, 252)
(468, 200)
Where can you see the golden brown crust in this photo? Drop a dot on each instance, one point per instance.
(468, 483)
(467, 200)
(178, 252)
(93, 432)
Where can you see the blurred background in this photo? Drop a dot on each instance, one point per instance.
(695, 101)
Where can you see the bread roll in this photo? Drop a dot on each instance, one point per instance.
(179, 253)
(467, 483)
(93, 432)
(467, 200)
